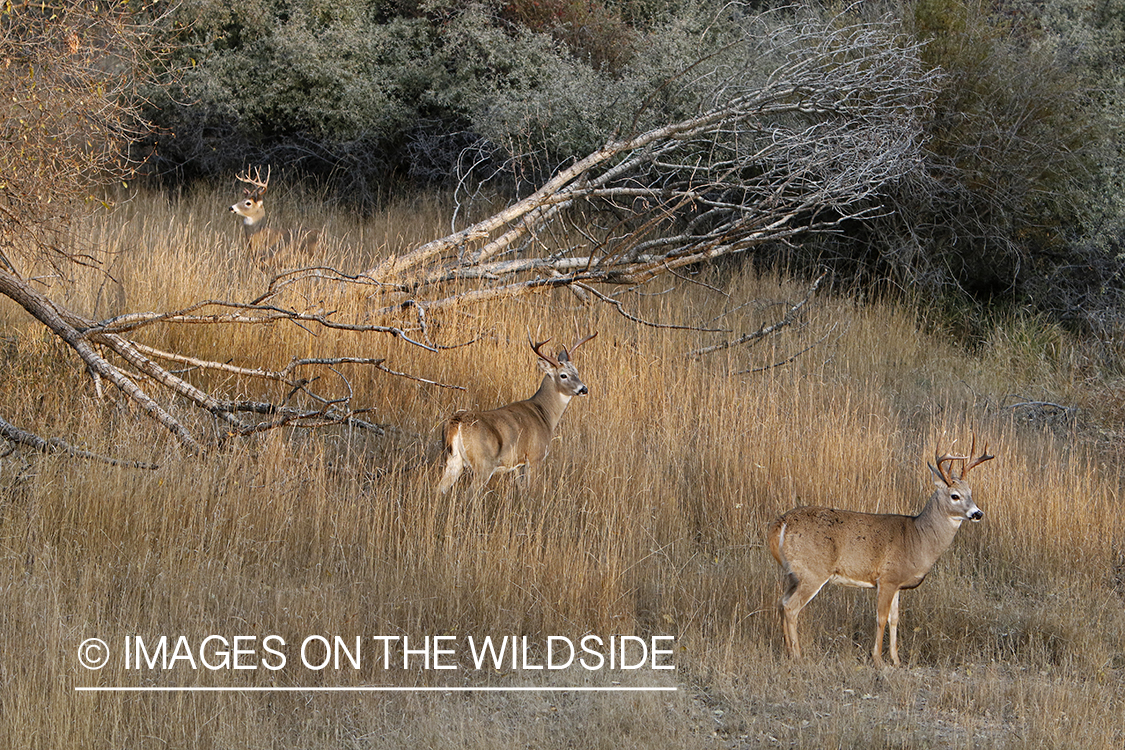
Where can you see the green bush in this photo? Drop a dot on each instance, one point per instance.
(1007, 146)
(994, 210)
(369, 92)
(320, 86)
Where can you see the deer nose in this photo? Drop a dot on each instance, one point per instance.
(583, 391)
(976, 515)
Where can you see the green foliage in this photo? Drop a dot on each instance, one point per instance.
(328, 84)
(594, 33)
(369, 91)
(1092, 37)
(1007, 144)
(1028, 196)
(605, 34)
(994, 210)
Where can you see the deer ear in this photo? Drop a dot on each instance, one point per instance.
(939, 480)
(545, 366)
(563, 356)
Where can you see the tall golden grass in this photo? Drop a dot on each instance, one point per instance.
(647, 518)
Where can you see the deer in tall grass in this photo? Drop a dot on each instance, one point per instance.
(889, 553)
(269, 247)
(514, 436)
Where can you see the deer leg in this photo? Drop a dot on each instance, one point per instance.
(885, 599)
(798, 593)
(454, 465)
(454, 462)
(893, 620)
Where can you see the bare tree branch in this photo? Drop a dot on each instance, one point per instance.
(629, 316)
(765, 329)
(15, 435)
(805, 149)
(48, 314)
(790, 359)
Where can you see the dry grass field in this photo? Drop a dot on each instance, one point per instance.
(647, 519)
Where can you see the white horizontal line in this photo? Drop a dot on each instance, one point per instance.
(375, 689)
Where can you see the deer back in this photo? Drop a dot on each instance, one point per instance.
(853, 547)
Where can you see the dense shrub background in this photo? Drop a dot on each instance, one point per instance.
(372, 92)
(1011, 153)
(1019, 202)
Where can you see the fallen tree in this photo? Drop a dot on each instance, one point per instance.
(802, 126)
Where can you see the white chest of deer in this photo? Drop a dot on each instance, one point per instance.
(514, 436)
(889, 553)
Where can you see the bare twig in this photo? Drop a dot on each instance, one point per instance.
(765, 329)
(792, 358)
(629, 316)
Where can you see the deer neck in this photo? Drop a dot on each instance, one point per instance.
(550, 401)
(934, 527)
(251, 224)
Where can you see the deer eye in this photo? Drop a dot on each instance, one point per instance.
(954, 496)
(562, 376)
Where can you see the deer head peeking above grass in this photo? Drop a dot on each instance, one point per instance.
(271, 248)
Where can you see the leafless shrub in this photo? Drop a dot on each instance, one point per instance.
(69, 73)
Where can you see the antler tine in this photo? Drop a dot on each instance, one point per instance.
(256, 180)
(580, 343)
(942, 459)
(544, 357)
(971, 462)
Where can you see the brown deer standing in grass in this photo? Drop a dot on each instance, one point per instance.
(889, 553)
(269, 247)
(513, 436)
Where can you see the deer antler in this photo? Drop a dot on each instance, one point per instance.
(945, 458)
(542, 356)
(970, 462)
(259, 184)
(580, 343)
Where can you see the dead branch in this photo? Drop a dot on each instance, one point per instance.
(804, 149)
(247, 314)
(765, 329)
(790, 359)
(48, 313)
(15, 435)
(651, 324)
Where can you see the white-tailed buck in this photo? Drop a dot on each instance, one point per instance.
(513, 436)
(271, 248)
(889, 553)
